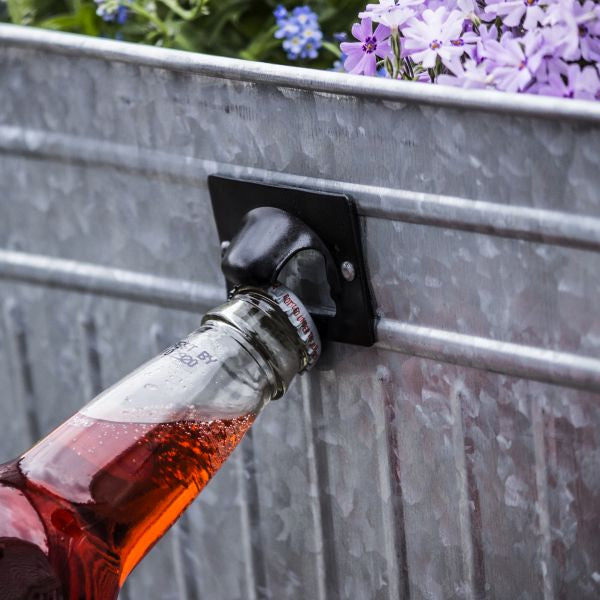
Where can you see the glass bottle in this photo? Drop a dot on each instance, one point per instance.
(81, 508)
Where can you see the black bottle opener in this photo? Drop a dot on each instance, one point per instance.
(264, 226)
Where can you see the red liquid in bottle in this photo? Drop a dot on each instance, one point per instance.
(96, 495)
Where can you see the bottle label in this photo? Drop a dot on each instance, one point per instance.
(300, 318)
(190, 354)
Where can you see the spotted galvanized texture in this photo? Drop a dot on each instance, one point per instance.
(458, 458)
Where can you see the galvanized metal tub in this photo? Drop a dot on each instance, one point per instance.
(459, 457)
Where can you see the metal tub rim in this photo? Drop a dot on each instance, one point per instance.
(545, 107)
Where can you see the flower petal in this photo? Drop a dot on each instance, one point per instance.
(382, 32)
(352, 61)
(351, 47)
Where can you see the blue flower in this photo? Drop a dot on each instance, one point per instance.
(293, 46)
(305, 16)
(280, 13)
(287, 29)
(300, 31)
(338, 65)
(310, 49)
(112, 11)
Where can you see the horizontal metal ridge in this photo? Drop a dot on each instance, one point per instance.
(299, 78)
(521, 222)
(530, 362)
(107, 281)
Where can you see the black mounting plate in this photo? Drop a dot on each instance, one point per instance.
(333, 218)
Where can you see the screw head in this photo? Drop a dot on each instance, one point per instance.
(224, 246)
(348, 271)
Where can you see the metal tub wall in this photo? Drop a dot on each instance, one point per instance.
(459, 457)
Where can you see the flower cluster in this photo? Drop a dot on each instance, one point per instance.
(111, 11)
(300, 31)
(537, 46)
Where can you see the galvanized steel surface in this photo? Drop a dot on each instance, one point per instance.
(459, 458)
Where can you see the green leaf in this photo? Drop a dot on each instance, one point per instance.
(333, 48)
(82, 20)
(61, 23)
(22, 11)
(261, 44)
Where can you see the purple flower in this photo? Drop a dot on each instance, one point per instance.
(392, 13)
(438, 34)
(466, 7)
(512, 62)
(471, 75)
(575, 29)
(512, 11)
(589, 48)
(578, 83)
(362, 55)
(550, 42)
(485, 34)
(468, 41)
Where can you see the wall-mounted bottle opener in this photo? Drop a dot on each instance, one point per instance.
(261, 227)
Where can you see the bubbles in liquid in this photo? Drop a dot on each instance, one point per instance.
(121, 485)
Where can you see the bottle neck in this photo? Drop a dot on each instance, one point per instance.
(266, 333)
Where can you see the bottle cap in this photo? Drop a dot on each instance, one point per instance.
(300, 318)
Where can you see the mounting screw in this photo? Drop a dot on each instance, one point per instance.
(348, 271)
(224, 246)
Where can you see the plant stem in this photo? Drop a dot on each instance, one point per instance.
(186, 15)
(142, 12)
